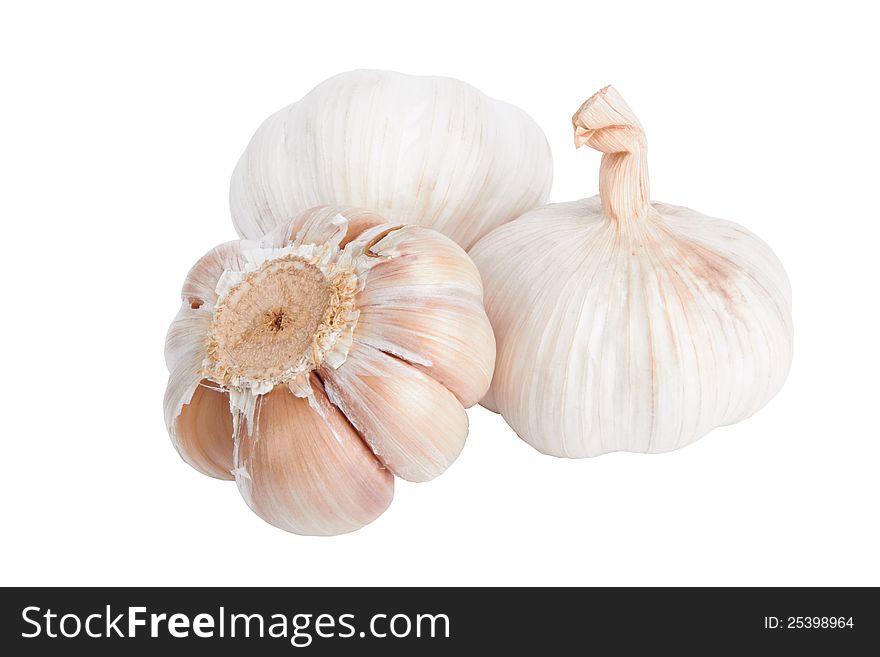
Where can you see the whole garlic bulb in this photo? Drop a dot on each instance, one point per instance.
(428, 151)
(313, 364)
(626, 324)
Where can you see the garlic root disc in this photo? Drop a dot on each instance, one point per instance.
(312, 364)
(626, 324)
(431, 151)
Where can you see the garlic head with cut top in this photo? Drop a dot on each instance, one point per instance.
(316, 363)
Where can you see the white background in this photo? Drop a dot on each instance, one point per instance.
(120, 125)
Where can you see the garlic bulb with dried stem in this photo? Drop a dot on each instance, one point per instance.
(430, 151)
(626, 324)
(312, 364)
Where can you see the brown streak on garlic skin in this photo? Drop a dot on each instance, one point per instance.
(606, 123)
(358, 221)
(710, 268)
(647, 324)
(719, 274)
(368, 247)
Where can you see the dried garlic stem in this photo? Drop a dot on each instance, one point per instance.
(606, 123)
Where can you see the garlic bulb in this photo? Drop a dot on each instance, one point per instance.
(626, 324)
(312, 364)
(426, 151)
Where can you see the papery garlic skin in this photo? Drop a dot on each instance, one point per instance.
(428, 151)
(624, 324)
(316, 363)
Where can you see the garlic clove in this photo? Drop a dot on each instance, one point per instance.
(428, 310)
(200, 285)
(197, 416)
(304, 468)
(424, 258)
(185, 339)
(450, 340)
(203, 431)
(412, 423)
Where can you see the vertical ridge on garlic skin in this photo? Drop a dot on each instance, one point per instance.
(304, 469)
(428, 310)
(537, 295)
(430, 151)
(645, 325)
(414, 425)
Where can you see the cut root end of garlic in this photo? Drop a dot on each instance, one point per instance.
(313, 365)
(275, 323)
